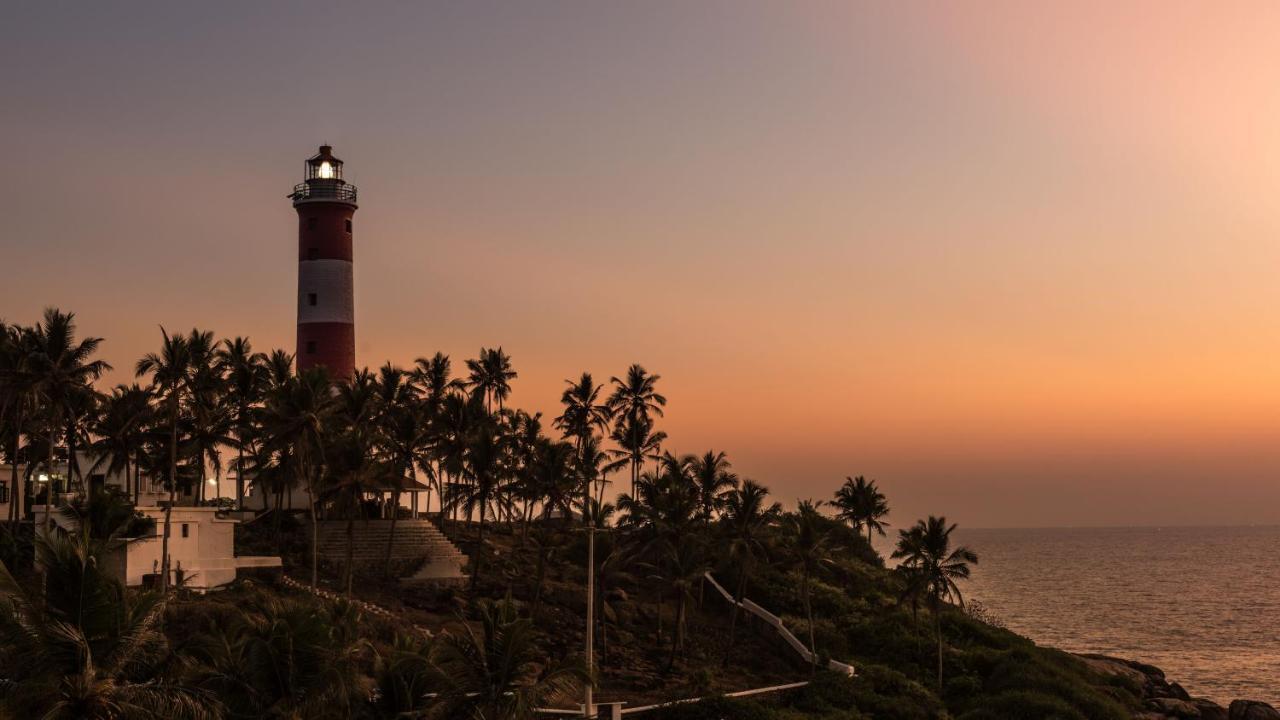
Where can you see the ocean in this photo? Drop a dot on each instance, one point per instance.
(1201, 603)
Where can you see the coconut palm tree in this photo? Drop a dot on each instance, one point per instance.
(62, 370)
(499, 674)
(87, 650)
(490, 377)
(295, 420)
(925, 550)
(483, 464)
(120, 431)
(810, 546)
(17, 400)
(286, 658)
(636, 443)
(746, 517)
(405, 677)
(401, 432)
(583, 415)
(246, 376)
(714, 480)
(634, 396)
(170, 371)
(862, 505)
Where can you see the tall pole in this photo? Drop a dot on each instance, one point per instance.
(588, 709)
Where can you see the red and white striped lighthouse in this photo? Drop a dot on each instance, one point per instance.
(326, 294)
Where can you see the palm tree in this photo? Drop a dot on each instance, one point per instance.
(811, 547)
(635, 396)
(405, 677)
(170, 371)
(714, 479)
(583, 415)
(746, 517)
(498, 674)
(490, 377)
(120, 430)
(295, 419)
(61, 369)
(17, 399)
(401, 433)
(87, 650)
(636, 443)
(483, 467)
(925, 549)
(861, 504)
(246, 374)
(286, 658)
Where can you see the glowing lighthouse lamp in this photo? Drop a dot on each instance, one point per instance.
(325, 204)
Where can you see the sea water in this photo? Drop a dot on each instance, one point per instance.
(1201, 603)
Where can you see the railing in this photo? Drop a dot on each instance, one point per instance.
(324, 190)
(777, 624)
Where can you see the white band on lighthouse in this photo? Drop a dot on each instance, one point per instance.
(325, 291)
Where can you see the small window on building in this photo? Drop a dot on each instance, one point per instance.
(313, 253)
(311, 347)
(348, 225)
(4, 493)
(186, 530)
(311, 299)
(311, 223)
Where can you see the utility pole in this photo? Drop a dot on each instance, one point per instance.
(588, 710)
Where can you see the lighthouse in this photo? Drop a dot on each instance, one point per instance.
(326, 290)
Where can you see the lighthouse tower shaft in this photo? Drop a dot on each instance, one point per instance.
(326, 204)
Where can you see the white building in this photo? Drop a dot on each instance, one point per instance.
(201, 549)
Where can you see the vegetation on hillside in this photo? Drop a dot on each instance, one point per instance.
(524, 505)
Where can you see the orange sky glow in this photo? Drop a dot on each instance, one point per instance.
(1016, 263)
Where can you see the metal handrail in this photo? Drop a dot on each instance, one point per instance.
(324, 191)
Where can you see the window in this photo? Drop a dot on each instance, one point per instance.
(4, 492)
(186, 530)
(313, 253)
(311, 299)
(311, 223)
(348, 224)
(311, 347)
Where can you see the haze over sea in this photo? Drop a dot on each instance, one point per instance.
(1201, 603)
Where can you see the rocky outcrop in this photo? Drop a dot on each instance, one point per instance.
(1166, 700)
(1252, 710)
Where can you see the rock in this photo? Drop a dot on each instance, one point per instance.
(1173, 707)
(1177, 691)
(1252, 710)
(1210, 710)
(1111, 667)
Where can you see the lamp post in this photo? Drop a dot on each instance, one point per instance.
(588, 709)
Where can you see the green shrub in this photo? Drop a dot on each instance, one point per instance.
(1023, 705)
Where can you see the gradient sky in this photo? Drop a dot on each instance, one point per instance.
(1017, 263)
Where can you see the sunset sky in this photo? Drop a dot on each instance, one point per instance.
(1021, 265)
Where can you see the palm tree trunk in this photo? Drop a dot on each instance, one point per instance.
(315, 529)
(48, 486)
(391, 536)
(475, 573)
(937, 624)
(808, 611)
(351, 521)
(13, 472)
(173, 487)
(733, 614)
(240, 465)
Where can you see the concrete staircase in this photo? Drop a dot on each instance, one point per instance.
(414, 540)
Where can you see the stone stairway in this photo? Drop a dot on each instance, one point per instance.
(414, 540)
